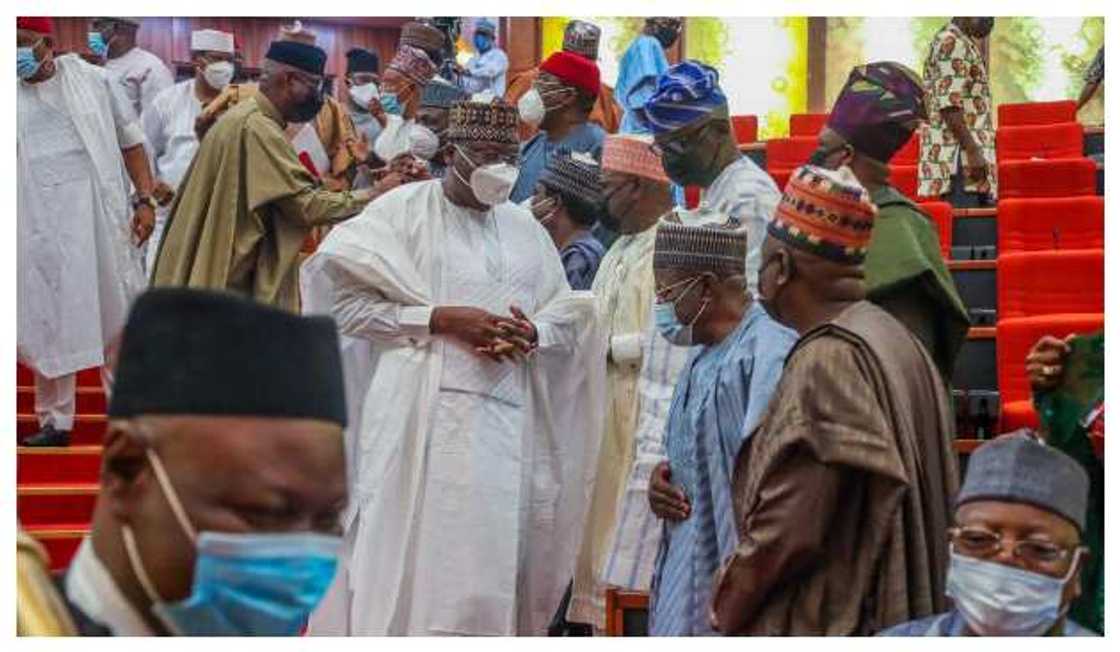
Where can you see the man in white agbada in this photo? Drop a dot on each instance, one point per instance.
(143, 74)
(472, 462)
(642, 368)
(78, 270)
(169, 121)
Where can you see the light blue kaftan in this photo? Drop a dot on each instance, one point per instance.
(641, 65)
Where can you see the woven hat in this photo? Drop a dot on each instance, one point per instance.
(413, 64)
(582, 38)
(477, 122)
(826, 213)
(423, 36)
(701, 241)
(1021, 469)
(879, 108)
(574, 176)
(633, 154)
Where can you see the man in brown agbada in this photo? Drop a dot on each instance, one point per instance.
(842, 494)
(246, 203)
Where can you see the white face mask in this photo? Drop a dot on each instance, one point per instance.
(999, 600)
(363, 94)
(491, 184)
(218, 75)
(423, 143)
(531, 107)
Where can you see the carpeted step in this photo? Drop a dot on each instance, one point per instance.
(61, 541)
(90, 400)
(89, 429)
(50, 504)
(58, 464)
(86, 377)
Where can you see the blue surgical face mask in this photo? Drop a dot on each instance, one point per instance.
(26, 62)
(97, 44)
(1000, 600)
(391, 104)
(482, 42)
(245, 584)
(670, 327)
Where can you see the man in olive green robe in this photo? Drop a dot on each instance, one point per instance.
(874, 116)
(247, 202)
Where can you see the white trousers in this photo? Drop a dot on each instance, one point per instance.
(55, 398)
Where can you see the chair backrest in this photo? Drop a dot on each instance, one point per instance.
(1065, 140)
(905, 178)
(1051, 223)
(1055, 178)
(909, 153)
(941, 212)
(627, 612)
(806, 124)
(1037, 113)
(1047, 282)
(746, 128)
(1015, 337)
(789, 153)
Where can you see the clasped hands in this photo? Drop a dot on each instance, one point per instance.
(491, 336)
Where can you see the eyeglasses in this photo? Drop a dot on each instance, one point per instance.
(679, 144)
(979, 542)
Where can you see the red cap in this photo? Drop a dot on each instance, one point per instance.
(42, 25)
(574, 70)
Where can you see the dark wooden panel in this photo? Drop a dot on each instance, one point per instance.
(522, 39)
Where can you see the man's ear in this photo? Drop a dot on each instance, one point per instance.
(1073, 589)
(784, 273)
(124, 470)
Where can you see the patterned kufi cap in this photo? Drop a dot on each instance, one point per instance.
(701, 241)
(441, 94)
(476, 122)
(686, 93)
(423, 36)
(574, 175)
(826, 213)
(413, 64)
(582, 38)
(879, 108)
(633, 154)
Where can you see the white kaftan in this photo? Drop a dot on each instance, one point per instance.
(745, 191)
(77, 270)
(143, 75)
(472, 478)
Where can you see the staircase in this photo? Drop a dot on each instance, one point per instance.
(57, 487)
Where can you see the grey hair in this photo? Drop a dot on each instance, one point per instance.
(270, 68)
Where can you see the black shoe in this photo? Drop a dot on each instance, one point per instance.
(48, 436)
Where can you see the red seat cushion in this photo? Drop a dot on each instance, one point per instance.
(1045, 282)
(746, 128)
(1015, 337)
(789, 153)
(1065, 140)
(1049, 223)
(941, 212)
(691, 197)
(905, 179)
(1017, 414)
(1037, 113)
(908, 155)
(781, 177)
(1053, 178)
(807, 124)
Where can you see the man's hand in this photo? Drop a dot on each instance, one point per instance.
(1046, 362)
(163, 193)
(412, 168)
(665, 499)
(474, 327)
(976, 166)
(387, 182)
(143, 223)
(378, 111)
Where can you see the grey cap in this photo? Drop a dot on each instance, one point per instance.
(1020, 469)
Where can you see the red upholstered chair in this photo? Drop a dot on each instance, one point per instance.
(905, 178)
(784, 155)
(1014, 339)
(746, 128)
(780, 177)
(806, 124)
(1054, 178)
(1047, 224)
(909, 153)
(1045, 282)
(941, 212)
(691, 197)
(1037, 113)
(1065, 140)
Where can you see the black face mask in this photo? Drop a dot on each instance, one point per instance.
(306, 110)
(666, 35)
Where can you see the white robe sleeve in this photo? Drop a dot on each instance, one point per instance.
(361, 311)
(129, 132)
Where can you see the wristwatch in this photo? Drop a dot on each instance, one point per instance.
(140, 200)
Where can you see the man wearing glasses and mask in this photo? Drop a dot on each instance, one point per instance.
(1016, 552)
(247, 203)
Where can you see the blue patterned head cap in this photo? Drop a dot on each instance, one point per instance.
(686, 93)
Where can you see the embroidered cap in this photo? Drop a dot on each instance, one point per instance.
(477, 122)
(413, 64)
(582, 38)
(701, 241)
(633, 154)
(826, 213)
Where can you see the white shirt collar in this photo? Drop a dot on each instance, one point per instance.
(92, 589)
